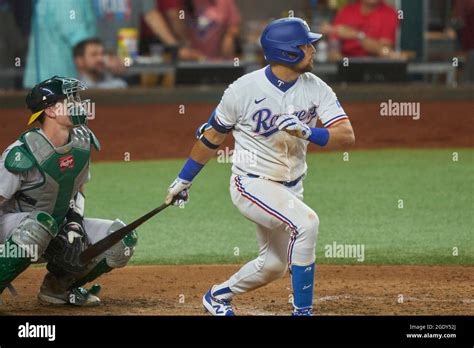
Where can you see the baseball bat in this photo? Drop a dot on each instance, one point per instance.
(116, 236)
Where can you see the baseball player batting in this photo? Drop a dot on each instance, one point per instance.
(272, 114)
(42, 176)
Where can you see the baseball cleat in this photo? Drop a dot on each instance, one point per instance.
(95, 289)
(302, 312)
(215, 306)
(77, 297)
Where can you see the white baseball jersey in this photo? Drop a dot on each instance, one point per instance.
(250, 107)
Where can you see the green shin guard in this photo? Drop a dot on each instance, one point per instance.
(97, 271)
(11, 267)
(26, 244)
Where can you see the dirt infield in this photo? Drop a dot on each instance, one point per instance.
(161, 131)
(339, 290)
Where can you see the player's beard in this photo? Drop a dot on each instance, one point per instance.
(303, 69)
(97, 72)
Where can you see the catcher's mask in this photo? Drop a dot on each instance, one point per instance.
(57, 89)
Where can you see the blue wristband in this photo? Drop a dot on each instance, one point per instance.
(319, 136)
(190, 169)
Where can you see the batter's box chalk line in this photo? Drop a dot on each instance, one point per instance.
(384, 298)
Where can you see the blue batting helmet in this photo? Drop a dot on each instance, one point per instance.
(283, 36)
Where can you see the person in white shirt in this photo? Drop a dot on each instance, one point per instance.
(272, 114)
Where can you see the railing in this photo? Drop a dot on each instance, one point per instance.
(423, 68)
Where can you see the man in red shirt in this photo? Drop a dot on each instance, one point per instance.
(170, 10)
(364, 28)
(209, 29)
(213, 27)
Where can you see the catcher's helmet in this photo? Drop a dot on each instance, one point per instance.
(283, 36)
(53, 90)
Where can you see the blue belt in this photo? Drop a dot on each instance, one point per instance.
(284, 183)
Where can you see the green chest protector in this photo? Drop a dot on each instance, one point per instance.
(63, 170)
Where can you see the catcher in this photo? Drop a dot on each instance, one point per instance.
(42, 178)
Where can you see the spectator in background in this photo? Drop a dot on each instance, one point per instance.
(57, 26)
(170, 10)
(213, 27)
(113, 15)
(464, 11)
(365, 28)
(89, 56)
(12, 44)
(22, 10)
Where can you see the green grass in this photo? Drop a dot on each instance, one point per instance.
(357, 202)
